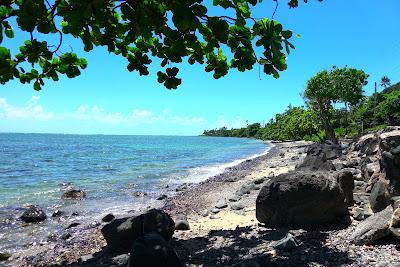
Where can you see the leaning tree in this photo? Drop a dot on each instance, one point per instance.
(140, 31)
(328, 87)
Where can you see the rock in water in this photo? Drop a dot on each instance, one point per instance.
(151, 250)
(71, 193)
(305, 198)
(373, 228)
(181, 223)
(121, 233)
(33, 214)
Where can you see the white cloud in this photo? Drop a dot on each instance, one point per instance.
(32, 110)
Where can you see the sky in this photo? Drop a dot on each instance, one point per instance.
(107, 99)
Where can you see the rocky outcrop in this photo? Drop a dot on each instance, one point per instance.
(33, 214)
(152, 250)
(305, 198)
(373, 228)
(120, 234)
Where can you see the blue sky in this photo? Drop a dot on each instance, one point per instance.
(107, 99)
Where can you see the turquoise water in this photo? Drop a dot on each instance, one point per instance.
(34, 169)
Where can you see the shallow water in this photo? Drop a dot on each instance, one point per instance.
(34, 169)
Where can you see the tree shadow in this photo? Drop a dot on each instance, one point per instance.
(246, 246)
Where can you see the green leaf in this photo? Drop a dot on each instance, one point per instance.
(172, 71)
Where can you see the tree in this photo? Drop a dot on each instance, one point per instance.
(328, 87)
(385, 82)
(170, 31)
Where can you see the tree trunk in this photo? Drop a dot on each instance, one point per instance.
(326, 124)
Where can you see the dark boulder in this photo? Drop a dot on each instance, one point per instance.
(151, 250)
(181, 223)
(108, 218)
(121, 233)
(305, 199)
(72, 193)
(33, 214)
(319, 158)
(379, 198)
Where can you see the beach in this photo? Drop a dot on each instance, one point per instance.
(231, 234)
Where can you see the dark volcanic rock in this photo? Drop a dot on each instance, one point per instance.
(373, 228)
(121, 233)
(305, 198)
(71, 193)
(72, 225)
(379, 198)
(33, 214)
(108, 218)
(162, 197)
(152, 250)
(57, 213)
(4, 256)
(181, 223)
(319, 157)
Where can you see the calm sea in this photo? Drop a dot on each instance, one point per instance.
(34, 168)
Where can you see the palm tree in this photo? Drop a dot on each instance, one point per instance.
(385, 81)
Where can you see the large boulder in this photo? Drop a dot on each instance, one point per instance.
(373, 228)
(120, 234)
(305, 198)
(33, 214)
(319, 157)
(151, 250)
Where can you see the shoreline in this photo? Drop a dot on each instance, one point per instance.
(180, 203)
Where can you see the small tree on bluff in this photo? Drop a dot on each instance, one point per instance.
(328, 87)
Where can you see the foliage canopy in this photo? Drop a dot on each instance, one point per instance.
(138, 30)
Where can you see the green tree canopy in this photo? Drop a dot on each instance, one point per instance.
(140, 31)
(328, 87)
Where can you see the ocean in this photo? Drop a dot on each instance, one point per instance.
(35, 168)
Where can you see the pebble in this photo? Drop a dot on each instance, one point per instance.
(237, 206)
(162, 197)
(215, 210)
(221, 204)
(234, 198)
(213, 217)
(75, 224)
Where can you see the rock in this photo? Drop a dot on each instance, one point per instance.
(52, 237)
(214, 217)
(86, 258)
(65, 236)
(237, 206)
(282, 154)
(287, 243)
(108, 218)
(305, 199)
(234, 198)
(215, 210)
(259, 180)
(140, 194)
(4, 256)
(204, 213)
(221, 204)
(360, 198)
(231, 179)
(72, 225)
(57, 213)
(317, 158)
(152, 250)
(120, 260)
(243, 190)
(71, 193)
(395, 223)
(396, 202)
(162, 197)
(33, 214)
(181, 187)
(181, 223)
(121, 233)
(379, 198)
(373, 228)
(75, 213)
